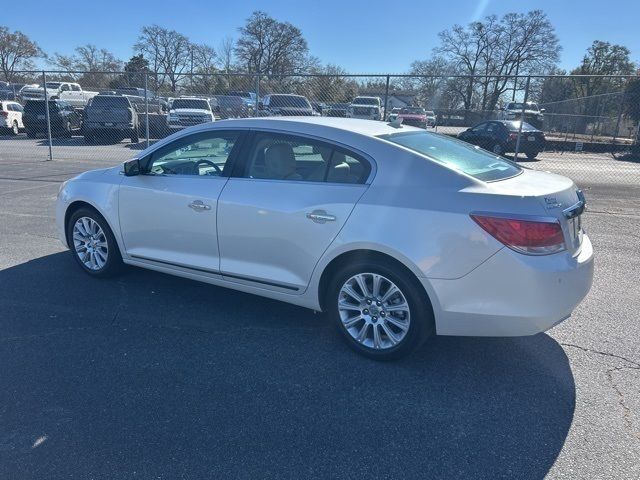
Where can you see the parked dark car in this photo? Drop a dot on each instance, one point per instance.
(285, 105)
(335, 110)
(230, 106)
(65, 120)
(110, 117)
(501, 136)
(10, 91)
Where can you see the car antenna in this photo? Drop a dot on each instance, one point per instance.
(395, 123)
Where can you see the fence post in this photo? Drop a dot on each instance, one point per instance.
(524, 107)
(386, 99)
(620, 108)
(46, 112)
(257, 108)
(146, 107)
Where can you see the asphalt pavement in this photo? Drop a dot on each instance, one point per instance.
(155, 377)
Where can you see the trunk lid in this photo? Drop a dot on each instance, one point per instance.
(558, 197)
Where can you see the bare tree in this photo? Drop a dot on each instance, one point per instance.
(91, 62)
(271, 47)
(494, 51)
(225, 54)
(17, 52)
(168, 53)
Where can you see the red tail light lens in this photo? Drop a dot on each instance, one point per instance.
(513, 136)
(524, 236)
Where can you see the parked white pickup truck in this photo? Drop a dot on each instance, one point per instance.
(71, 93)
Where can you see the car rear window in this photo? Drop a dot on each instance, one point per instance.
(293, 101)
(36, 107)
(456, 155)
(106, 101)
(194, 103)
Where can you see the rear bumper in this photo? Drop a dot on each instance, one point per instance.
(512, 294)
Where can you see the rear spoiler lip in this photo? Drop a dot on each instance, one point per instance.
(577, 208)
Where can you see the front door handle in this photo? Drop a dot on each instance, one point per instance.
(320, 216)
(199, 206)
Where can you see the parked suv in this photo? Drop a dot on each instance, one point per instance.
(286, 105)
(369, 108)
(63, 117)
(532, 113)
(110, 116)
(11, 117)
(188, 111)
(230, 106)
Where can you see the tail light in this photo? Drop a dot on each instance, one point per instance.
(513, 136)
(524, 236)
(4, 114)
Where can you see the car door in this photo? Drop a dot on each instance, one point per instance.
(168, 213)
(286, 201)
(475, 135)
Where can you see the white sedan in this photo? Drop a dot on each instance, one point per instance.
(396, 233)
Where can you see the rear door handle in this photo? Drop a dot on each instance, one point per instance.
(320, 216)
(199, 206)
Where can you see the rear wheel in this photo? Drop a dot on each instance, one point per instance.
(92, 243)
(31, 134)
(497, 149)
(15, 130)
(379, 309)
(532, 155)
(134, 135)
(67, 132)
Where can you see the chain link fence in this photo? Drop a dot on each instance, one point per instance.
(585, 127)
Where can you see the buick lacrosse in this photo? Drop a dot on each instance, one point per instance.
(396, 233)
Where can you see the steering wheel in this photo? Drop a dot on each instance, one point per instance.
(210, 163)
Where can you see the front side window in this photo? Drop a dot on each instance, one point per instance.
(204, 154)
(456, 155)
(288, 157)
(75, 88)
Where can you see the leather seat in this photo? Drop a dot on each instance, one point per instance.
(280, 162)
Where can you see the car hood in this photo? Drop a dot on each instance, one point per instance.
(191, 110)
(412, 116)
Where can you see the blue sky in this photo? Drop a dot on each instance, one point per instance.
(362, 36)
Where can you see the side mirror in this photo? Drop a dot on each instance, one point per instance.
(132, 168)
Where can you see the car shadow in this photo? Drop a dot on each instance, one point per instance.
(152, 373)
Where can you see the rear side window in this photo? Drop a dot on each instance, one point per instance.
(37, 107)
(456, 155)
(288, 157)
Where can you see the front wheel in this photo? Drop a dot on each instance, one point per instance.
(134, 135)
(14, 128)
(381, 310)
(92, 243)
(532, 155)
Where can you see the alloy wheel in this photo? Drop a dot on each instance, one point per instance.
(374, 311)
(90, 243)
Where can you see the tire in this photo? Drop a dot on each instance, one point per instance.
(31, 134)
(134, 135)
(89, 138)
(15, 130)
(532, 155)
(497, 149)
(417, 320)
(96, 260)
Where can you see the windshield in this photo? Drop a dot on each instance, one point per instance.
(190, 103)
(514, 126)
(37, 107)
(413, 110)
(366, 101)
(430, 113)
(230, 101)
(107, 101)
(289, 101)
(456, 155)
(53, 85)
(519, 106)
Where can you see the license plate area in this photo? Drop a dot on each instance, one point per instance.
(531, 138)
(575, 230)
